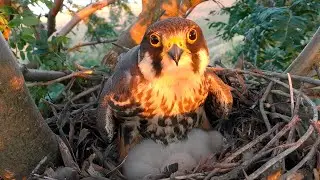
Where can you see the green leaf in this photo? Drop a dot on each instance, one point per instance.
(21, 44)
(27, 37)
(7, 10)
(23, 56)
(30, 20)
(29, 55)
(15, 22)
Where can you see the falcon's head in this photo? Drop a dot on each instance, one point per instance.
(173, 47)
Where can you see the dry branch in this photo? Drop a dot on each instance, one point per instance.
(41, 75)
(80, 15)
(76, 47)
(52, 16)
(269, 74)
(272, 161)
(84, 73)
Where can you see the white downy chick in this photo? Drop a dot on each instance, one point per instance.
(144, 159)
(149, 157)
(216, 141)
(200, 144)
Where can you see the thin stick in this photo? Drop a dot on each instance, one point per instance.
(251, 144)
(80, 15)
(272, 161)
(291, 94)
(304, 160)
(316, 68)
(43, 160)
(234, 173)
(74, 74)
(268, 74)
(90, 44)
(196, 175)
(244, 148)
(122, 47)
(287, 127)
(86, 92)
(261, 106)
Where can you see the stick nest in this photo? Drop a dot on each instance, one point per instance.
(272, 132)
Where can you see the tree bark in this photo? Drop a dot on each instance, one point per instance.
(25, 138)
(151, 12)
(52, 16)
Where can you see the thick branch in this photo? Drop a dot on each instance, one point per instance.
(76, 47)
(84, 73)
(151, 12)
(41, 75)
(52, 16)
(309, 56)
(83, 13)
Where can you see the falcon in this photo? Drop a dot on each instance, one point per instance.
(161, 87)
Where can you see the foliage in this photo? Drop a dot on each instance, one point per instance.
(273, 35)
(31, 45)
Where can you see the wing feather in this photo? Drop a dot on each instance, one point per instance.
(220, 97)
(118, 84)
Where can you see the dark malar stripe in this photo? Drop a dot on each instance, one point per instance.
(195, 62)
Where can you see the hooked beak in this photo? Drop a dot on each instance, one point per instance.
(175, 53)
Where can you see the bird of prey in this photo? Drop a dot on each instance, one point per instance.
(159, 89)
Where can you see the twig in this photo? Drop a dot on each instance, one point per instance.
(117, 167)
(83, 13)
(291, 94)
(261, 106)
(218, 3)
(90, 44)
(122, 47)
(278, 115)
(40, 75)
(83, 108)
(245, 148)
(272, 161)
(224, 165)
(43, 160)
(86, 92)
(74, 74)
(43, 177)
(269, 74)
(251, 144)
(298, 101)
(316, 68)
(234, 173)
(195, 175)
(288, 126)
(281, 93)
(304, 160)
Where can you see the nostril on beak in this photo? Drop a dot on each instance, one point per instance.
(175, 53)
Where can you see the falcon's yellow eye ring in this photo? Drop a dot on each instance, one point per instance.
(155, 40)
(192, 36)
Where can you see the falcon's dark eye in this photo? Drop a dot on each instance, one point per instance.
(155, 40)
(192, 36)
